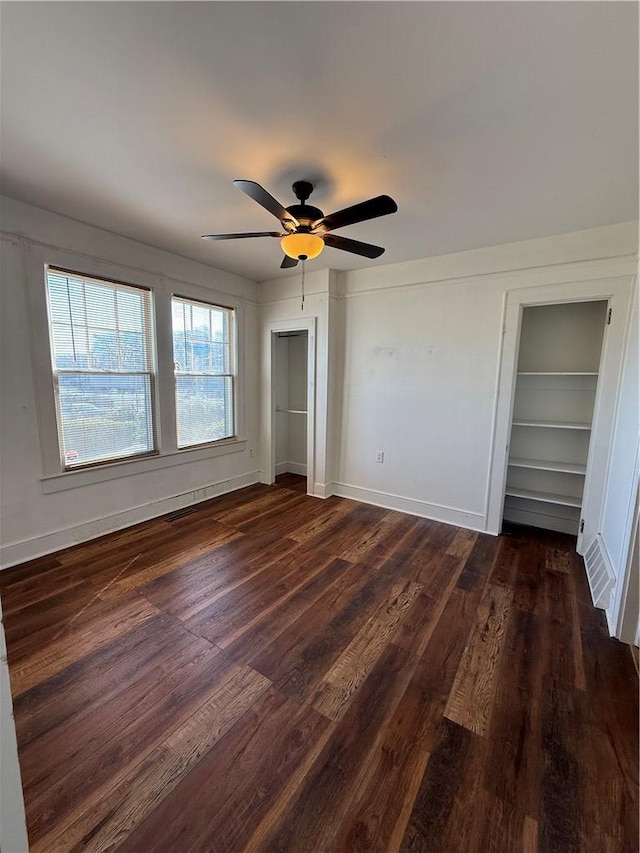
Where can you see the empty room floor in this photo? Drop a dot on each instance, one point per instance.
(268, 671)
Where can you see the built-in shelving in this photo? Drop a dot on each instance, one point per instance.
(543, 465)
(554, 399)
(556, 373)
(546, 497)
(552, 424)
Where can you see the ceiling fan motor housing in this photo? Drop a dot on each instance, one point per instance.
(306, 214)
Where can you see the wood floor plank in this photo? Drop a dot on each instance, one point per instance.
(310, 820)
(299, 657)
(175, 556)
(336, 689)
(219, 804)
(329, 582)
(239, 608)
(62, 651)
(72, 741)
(191, 587)
(324, 524)
(90, 680)
(471, 699)
(513, 767)
(560, 781)
(431, 826)
(110, 815)
(380, 812)
(125, 729)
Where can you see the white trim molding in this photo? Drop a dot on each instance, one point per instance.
(39, 546)
(412, 506)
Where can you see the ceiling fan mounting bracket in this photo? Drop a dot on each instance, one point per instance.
(302, 190)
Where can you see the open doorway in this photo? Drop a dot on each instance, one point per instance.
(290, 367)
(289, 404)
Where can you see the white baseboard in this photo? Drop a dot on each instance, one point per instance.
(39, 546)
(291, 468)
(435, 512)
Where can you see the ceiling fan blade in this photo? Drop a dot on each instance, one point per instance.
(241, 236)
(367, 250)
(381, 205)
(259, 194)
(288, 263)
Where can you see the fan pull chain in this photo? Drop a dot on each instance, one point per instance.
(303, 270)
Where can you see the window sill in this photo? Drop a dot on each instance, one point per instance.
(127, 468)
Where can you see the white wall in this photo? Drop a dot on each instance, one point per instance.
(42, 515)
(421, 366)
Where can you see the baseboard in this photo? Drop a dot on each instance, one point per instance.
(30, 549)
(291, 468)
(435, 512)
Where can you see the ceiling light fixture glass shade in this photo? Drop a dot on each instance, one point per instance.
(302, 246)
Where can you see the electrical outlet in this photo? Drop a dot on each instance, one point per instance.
(252, 452)
(379, 455)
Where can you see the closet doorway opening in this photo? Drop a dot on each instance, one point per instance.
(289, 413)
(291, 409)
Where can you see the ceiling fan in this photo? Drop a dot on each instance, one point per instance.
(306, 228)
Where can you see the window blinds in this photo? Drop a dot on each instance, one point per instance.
(101, 344)
(204, 356)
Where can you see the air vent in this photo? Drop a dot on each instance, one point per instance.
(599, 573)
(174, 516)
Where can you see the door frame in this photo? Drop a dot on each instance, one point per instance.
(269, 336)
(617, 292)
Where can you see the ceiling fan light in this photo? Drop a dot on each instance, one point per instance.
(302, 246)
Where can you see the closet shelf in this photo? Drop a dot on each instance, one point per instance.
(556, 373)
(552, 424)
(544, 497)
(542, 465)
(293, 411)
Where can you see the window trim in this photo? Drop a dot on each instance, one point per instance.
(36, 258)
(233, 375)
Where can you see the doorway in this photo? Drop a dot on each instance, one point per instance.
(591, 389)
(289, 402)
(290, 420)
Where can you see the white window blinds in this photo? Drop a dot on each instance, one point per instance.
(204, 359)
(101, 345)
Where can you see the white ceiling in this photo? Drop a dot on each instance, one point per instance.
(487, 122)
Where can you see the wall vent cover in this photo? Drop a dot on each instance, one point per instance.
(599, 573)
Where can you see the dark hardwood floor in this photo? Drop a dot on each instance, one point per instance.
(271, 672)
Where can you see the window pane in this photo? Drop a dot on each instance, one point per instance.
(101, 326)
(204, 409)
(104, 417)
(203, 345)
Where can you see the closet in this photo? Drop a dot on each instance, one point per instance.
(291, 356)
(555, 393)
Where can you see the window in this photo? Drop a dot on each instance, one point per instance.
(101, 347)
(204, 359)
